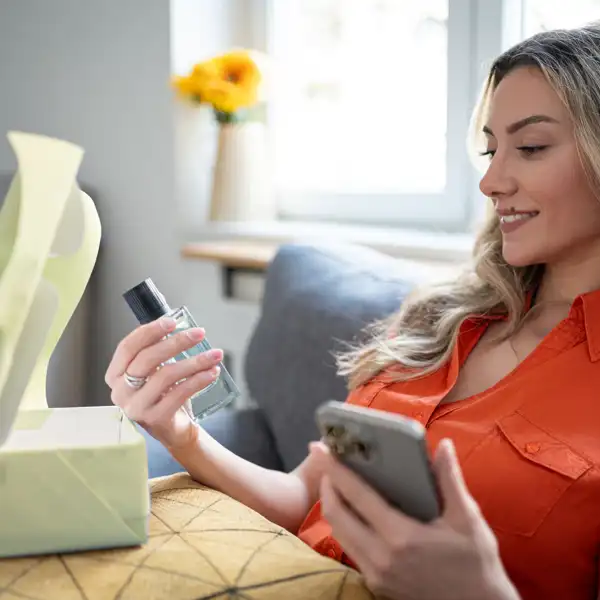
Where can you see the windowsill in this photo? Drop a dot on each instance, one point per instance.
(233, 254)
(252, 245)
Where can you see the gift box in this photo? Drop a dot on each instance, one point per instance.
(70, 478)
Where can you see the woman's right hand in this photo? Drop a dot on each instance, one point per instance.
(158, 405)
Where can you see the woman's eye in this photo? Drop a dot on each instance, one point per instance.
(531, 150)
(526, 150)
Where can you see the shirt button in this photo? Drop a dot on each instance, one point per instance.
(532, 447)
(329, 549)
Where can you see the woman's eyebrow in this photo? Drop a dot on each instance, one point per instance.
(517, 125)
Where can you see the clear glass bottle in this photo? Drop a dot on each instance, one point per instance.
(148, 304)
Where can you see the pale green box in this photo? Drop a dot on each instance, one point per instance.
(72, 479)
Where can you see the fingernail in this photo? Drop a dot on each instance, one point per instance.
(447, 444)
(215, 371)
(167, 323)
(314, 447)
(195, 334)
(216, 354)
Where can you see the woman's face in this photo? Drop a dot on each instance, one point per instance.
(535, 178)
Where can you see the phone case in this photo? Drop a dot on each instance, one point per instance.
(387, 450)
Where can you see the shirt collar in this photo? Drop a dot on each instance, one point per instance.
(588, 306)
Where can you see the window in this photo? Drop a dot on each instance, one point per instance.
(542, 15)
(371, 102)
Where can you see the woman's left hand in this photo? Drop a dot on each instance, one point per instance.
(454, 557)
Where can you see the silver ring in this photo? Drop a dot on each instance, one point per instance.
(134, 382)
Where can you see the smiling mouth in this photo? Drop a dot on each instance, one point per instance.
(518, 217)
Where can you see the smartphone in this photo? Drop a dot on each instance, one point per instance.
(387, 450)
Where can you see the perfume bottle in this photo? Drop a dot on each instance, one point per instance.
(148, 304)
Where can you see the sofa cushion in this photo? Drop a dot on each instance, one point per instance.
(202, 544)
(316, 296)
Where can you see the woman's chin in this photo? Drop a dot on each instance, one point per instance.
(519, 257)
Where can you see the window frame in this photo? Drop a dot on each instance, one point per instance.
(478, 30)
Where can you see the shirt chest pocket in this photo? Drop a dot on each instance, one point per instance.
(519, 473)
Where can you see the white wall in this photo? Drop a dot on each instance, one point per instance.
(200, 29)
(97, 73)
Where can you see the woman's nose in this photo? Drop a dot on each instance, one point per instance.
(497, 181)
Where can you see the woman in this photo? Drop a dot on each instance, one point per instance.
(504, 362)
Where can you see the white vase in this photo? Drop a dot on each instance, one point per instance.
(241, 188)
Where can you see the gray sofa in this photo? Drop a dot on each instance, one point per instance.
(316, 297)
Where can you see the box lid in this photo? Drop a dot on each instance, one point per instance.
(31, 228)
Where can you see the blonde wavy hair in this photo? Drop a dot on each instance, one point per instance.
(426, 328)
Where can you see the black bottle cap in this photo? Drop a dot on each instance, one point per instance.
(146, 302)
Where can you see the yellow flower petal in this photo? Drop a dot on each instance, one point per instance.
(185, 86)
(226, 97)
(228, 82)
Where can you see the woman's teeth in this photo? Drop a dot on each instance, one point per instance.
(519, 217)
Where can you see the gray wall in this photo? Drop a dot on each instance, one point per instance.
(96, 73)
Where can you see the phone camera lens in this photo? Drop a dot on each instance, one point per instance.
(362, 449)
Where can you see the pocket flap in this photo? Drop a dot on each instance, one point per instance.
(537, 445)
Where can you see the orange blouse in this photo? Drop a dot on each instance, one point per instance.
(529, 448)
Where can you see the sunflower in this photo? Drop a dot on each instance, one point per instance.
(228, 82)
